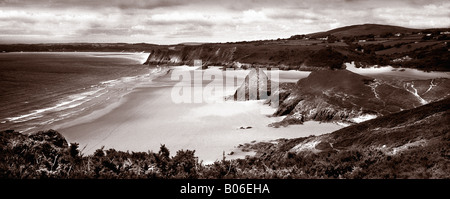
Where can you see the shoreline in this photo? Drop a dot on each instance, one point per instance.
(146, 117)
(92, 81)
(105, 126)
(104, 109)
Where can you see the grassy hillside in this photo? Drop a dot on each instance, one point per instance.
(426, 123)
(367, 44)
(253, 54)
(341, 95)
(409, 144)
(77, 47)
(364, 29)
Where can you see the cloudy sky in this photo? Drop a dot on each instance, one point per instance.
(176, 21)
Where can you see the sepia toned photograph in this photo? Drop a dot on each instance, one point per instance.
(224, 89)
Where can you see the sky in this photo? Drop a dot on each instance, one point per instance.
(179, 21)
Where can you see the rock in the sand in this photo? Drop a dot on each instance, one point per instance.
(248, 127)
(256, 86)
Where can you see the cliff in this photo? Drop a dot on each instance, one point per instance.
(271, 54)
(186, 55)
(366, 44)
(340, 95)
(407, 144)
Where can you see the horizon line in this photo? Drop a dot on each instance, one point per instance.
(217, 42)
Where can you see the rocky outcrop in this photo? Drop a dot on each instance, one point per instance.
(256, 86)
(291, 119)
(340, 95)
(390, 134)
(280, 94)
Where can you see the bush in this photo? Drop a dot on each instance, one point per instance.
(73, 150)
(184, 165)
(23, 157)
(327, 58)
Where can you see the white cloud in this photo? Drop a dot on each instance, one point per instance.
(219, 21)
(427, 16)
(251, 16)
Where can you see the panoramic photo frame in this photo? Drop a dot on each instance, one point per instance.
(221, 98)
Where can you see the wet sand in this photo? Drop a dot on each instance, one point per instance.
(148, 117)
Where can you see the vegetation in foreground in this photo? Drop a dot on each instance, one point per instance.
(410, 144)
(47, 155)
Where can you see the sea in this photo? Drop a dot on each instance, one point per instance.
(39, 89)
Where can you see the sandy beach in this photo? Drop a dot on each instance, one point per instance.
(148, 117)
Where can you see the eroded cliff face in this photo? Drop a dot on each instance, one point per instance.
(340, 95)
(186, 55)
(250, 55)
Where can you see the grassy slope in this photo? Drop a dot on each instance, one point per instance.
(425, 122)
(340, 95)
(364, 29)
(312, 53)
(409, 144)
(306, 54)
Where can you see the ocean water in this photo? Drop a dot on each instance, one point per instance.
(39, 89)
